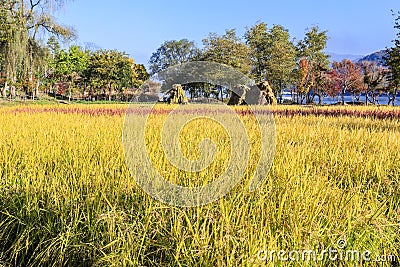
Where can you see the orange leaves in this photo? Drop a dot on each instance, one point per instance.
(349, 75)
(307, 77)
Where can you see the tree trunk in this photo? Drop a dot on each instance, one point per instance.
(358, 97)
(4, 91)
(70, 91)
(392, 97)
(343, 90)
(37, 89)
(12, 92)
(376, 101)
(308, 98)
(319, 98)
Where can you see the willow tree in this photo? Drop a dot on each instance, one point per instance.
(13, 46)
(24, 24)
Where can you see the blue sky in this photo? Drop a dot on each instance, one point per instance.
(140, 27)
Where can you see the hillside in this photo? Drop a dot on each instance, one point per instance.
(339, 57)
(377, 57)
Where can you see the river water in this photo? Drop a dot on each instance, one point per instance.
(382, 100)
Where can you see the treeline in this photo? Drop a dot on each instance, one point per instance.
(33, 62)
(300, 67)
(92, 75)
(30, 65)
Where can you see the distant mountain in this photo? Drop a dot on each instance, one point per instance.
(339, 57)
(377, 57)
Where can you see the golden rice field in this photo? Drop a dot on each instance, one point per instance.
(68, 199)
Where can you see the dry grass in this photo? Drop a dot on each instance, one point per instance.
(68, 199)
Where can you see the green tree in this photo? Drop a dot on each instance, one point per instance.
(273, 55)
(140, 75)
(393, 62)
(21, 50)
(311, 48)
(38, 67)
(14, 40)
(172, 53)
(112, 70)
(53, 45)
(70, 66)
(227, 49)
(282, 58)
(256, 38)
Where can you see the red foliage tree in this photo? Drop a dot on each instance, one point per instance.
(331, 83)
(349, 76)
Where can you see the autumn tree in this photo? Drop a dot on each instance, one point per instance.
(349, 76)
(140, 75)
(374, 79)
(305, 78)
(330, 83)
(147, 92)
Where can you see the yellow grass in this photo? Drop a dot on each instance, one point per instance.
(68, 199)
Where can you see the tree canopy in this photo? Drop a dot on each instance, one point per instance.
(393, 61)
(172, 53)
(227, 49)
(35, 57)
